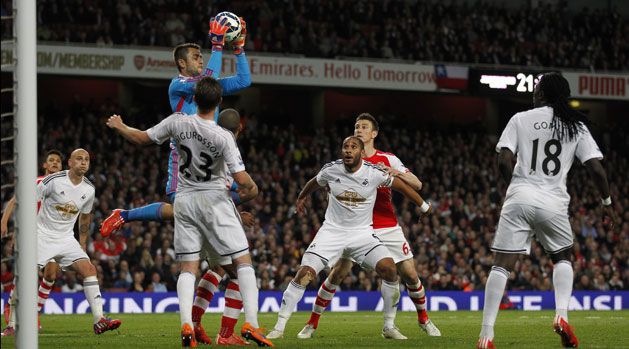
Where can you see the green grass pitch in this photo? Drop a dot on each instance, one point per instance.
(514, 329)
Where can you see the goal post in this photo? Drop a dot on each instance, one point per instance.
(25, 153)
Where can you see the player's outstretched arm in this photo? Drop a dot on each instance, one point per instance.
(85, 220)
(408, 177)
(412, 180)
(401, 186)
(133, 135)
(598, 174)
(505, 164)
(247, 188)
(310, 188)
(241, 80)
(6, 215)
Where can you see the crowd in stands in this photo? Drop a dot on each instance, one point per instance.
(451, 247)
(545, 34)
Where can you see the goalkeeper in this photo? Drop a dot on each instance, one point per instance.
(189, 62)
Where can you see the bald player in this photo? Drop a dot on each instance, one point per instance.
(66, 196)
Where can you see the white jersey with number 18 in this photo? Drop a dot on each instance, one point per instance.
(543, 162)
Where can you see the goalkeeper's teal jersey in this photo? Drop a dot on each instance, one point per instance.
(181, 96)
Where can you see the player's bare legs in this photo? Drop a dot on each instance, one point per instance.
(325, 295)
(92, 293)
(417, 293)
(390, 290)
(292, 295)
(406, 270)
(494, 289)
(249, 291)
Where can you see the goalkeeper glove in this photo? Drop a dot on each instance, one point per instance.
(217, 33)
(239, 42)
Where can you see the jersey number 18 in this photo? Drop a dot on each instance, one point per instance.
(552, 149)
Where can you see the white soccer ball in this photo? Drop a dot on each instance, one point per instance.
(233, 22)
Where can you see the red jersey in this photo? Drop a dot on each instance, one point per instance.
(383, 211)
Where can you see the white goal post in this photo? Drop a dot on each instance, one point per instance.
(25, 153)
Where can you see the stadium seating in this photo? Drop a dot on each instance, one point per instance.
(451, 247)
(543, 35)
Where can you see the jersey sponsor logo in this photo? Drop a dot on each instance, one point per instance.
(83, 197)
(337, 181)
(67, 210)
(350, 198)
(365, 182)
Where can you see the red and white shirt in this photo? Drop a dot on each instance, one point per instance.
(37, 181)
(383, 211)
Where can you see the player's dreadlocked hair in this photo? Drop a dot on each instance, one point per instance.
(567, 122)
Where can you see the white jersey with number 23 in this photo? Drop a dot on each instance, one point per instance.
(207, 151)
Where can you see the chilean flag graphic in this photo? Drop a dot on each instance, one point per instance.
(451, 76)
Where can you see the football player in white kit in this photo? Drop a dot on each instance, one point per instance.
(205, 215)
(347, 229)
(545, 141)
(388, 230)
(65, 197)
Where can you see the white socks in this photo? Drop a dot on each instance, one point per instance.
(494, 289)
(92, 293)
(185, 293)
(249, 292)
(563, 277)
(293, 294)
(391, 297)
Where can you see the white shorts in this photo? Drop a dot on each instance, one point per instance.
(519, 223)
(208, 218)
(214, 259)
(64, 251)
(393, 238)
(331, 243)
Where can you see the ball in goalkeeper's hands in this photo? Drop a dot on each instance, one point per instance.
(232, 21)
